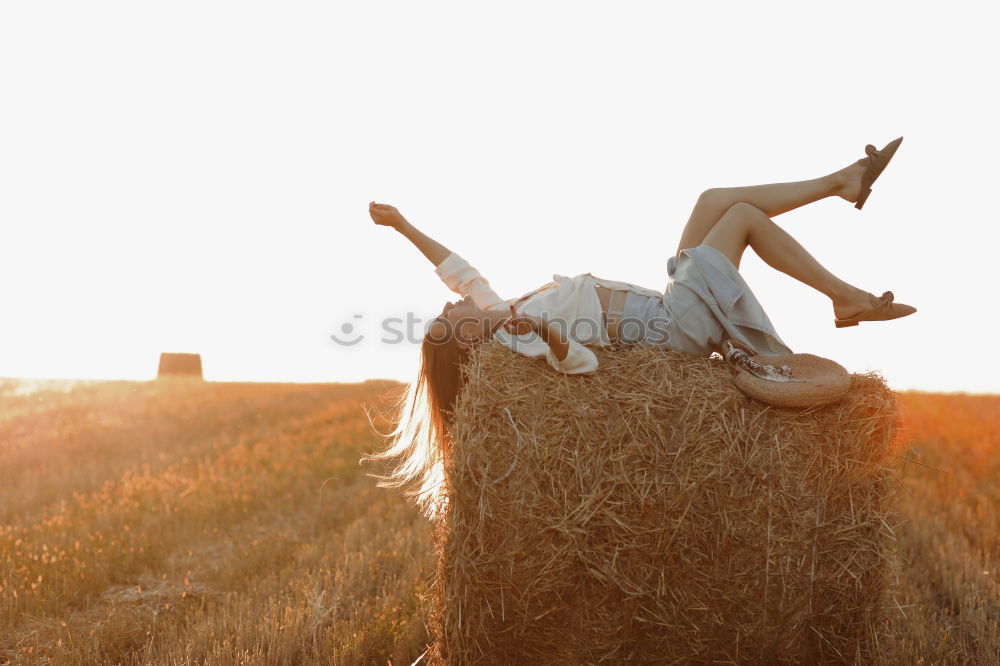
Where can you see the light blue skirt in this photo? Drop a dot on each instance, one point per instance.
(705, 301)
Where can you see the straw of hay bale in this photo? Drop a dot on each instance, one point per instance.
(179, 365)
(653, 513)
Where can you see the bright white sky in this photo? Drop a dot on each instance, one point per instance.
(195, 176)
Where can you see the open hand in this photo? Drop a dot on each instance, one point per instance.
(521, 324)
(386, 215)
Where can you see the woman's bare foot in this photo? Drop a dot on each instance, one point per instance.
(847, 182)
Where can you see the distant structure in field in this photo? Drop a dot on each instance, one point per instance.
(179, 365)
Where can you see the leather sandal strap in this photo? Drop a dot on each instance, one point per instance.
(875, 164)
(882, 304)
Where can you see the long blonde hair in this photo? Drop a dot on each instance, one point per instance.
(423, 423)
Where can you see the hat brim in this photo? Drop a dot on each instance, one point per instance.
(817, 381)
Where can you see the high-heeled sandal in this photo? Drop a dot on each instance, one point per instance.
(875, 163)
(882, 309)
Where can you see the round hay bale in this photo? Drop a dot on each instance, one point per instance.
(179, 365)
(653, 513)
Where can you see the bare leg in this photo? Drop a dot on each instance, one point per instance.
(772, 199)
(744, 224)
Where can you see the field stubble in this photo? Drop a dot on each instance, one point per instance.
(215, 523)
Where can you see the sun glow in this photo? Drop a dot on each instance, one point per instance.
(194, 177)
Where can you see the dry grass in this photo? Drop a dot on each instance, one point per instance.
(290, 574)
(652, 513)
(949, 590)
(176, 522)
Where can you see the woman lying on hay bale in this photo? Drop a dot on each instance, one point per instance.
(705, 303)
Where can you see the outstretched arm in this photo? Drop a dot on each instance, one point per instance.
(453, 270)
(388, 216)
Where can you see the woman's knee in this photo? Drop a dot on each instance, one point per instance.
(717, 198)
(745, 210)
(739, 215)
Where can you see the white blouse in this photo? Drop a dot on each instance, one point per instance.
(570, 303)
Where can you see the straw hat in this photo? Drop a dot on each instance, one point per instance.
(789, 380)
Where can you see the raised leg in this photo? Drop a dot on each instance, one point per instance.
(744, 224)
(772, 199)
